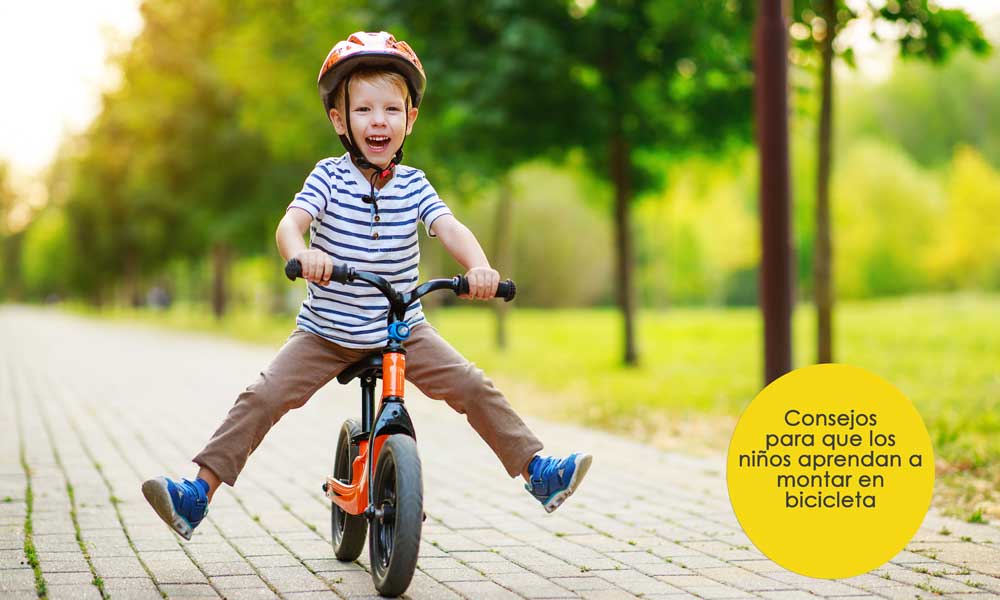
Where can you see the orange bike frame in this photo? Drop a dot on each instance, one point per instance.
(353, 497)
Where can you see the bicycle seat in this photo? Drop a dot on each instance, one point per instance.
(372, 362)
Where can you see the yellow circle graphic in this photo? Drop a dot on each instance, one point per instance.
(830, 471)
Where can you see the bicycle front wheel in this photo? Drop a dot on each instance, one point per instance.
(394, 536)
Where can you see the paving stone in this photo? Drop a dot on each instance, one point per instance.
(983, 583)
(319, 595)
(538, 562)
(228, 582)
(497, 568)
(613, 594)
(292, 579)
(637, 583)
(579, 584)
(64, 566)
(903, 592)
(821, 587)
(279, 560)
(719, 592)
(122, 566)
(326, 565)
(743, 579)
(530, 585)
(485, 590)
(68, 578)
(469, 557)
(178, 572)
(787, 595)
(72, 592)
(461, 573)
(189, 590)
(12, 580)
(128, 586)
(227, 568)
(260, 593)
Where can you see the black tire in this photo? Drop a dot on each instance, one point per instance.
(395, 538)
(348, 531)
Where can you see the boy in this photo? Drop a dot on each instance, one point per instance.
(362, 210)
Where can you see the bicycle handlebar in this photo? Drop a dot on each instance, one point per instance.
(458, 284)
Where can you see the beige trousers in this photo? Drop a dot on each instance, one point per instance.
(307, 362)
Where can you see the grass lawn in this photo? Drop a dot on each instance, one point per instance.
(701, 366)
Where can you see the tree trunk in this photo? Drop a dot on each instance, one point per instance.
(220, 267)
(823, 252)
(133, 297)
(11, 244)
(502, 238)
(622, 176)
(771, 100)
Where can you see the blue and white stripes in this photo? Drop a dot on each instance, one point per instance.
(345, 227)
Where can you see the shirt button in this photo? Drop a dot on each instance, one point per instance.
(375, 236)
(377, 218)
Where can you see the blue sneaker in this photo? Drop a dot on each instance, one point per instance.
(553, 479)
(182, 505)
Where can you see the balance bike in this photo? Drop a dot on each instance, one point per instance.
(389, 504)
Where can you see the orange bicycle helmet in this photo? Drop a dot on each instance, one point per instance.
(370, 49)
(375, 50)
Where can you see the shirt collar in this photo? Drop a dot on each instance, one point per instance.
(359, 177)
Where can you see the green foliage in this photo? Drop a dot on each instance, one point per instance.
(217, 121)
(884, 213)
(920, 28)
(698, 238)
(9, 241)
(929, 109)
(560, 246)
(47, 254)
(513, 80)
(968, 254)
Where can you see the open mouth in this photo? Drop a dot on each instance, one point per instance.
(377, 143)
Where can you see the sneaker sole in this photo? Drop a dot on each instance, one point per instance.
(155, 491)
(582, 466)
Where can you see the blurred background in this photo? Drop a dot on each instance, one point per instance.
(603, 152)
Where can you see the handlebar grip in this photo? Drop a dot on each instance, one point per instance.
(293, 269)
(341, 273)
(505, 289)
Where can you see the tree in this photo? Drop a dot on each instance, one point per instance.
(922, 30)
(9, 240)
(167, 169)
(620, 80)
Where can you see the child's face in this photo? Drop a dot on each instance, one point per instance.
(379, 120)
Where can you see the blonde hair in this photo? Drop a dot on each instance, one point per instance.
(373, 76)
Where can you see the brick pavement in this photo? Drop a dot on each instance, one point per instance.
(91, 409)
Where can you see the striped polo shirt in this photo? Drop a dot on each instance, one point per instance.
(345, 227)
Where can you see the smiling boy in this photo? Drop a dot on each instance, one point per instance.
(362, 210)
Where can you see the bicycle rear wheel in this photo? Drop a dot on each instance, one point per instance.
(348, 531)
(395, 531)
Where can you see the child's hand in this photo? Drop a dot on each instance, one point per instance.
(317, 266)
(483, 283)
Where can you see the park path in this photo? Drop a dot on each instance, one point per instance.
(89, 409)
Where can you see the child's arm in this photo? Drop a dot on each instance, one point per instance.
(317, 266)
(465, 248)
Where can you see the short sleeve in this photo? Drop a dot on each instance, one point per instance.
(430, 207)
(315, 192)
